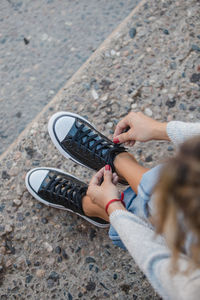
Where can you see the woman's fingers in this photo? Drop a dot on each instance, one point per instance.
(115, 179)
(108, 175)
(96, 179)
(121, 126)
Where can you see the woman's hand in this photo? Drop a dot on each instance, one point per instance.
(102, 193)
(139, 127)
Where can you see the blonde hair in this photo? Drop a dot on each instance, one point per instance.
(177, 202)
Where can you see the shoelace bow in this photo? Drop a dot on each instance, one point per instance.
(64, 188)
(97, 146)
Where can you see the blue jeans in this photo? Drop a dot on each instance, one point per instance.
(140, 204)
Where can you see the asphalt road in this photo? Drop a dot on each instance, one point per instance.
(42, 44)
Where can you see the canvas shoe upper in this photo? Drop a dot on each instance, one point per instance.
(59, 190)
(79, 141)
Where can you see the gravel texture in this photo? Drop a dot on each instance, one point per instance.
(42, 44)
(152, 64)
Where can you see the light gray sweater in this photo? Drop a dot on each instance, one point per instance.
(150, 251)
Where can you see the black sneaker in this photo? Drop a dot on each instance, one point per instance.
(60, 190)
(79, 141)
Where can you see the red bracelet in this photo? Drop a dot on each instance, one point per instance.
(114, 200)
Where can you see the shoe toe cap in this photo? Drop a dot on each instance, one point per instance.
(62, 126)
(35, 178)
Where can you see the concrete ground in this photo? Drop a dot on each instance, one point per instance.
(150, 63)
(42, 44)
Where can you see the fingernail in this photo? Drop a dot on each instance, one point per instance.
(107, 167)
(115, 140)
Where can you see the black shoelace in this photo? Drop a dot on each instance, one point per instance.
(101, 146)
(59, 188)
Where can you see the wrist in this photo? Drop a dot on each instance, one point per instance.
(160, 131)
(115, 206)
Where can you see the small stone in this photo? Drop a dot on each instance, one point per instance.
(107, 54)
(192, 108)
(104, 98)
(171, 103)
(38, 205)
(149, 158)
(173, 66)
(18, 114)
(40, 273)
(182, 106)
(86, 86)
(134, 105)
(64, 254)
(89, 260)
(10, 247)
(8, 264)
(195, 77)
(126, 53)
(54, 276)
(135, 93)
(195, 48)
(44, 36)
(183, 75)
(2, 206)
(132, 32)
(94, 94)
(130, 91)
(170, 148)
(113, 52)
(91, 266)
(50, 283)
(48, 247)
(58, 250)
(109, 125)
(165, 31)
(148, 112)
(8, 228)
(30, 151)
(91, 286)
(44, 221)
(28, 262)
(59, 259)
(26, 41)
(20, 217)
(92, 234)
(5, 175)
(17, 202)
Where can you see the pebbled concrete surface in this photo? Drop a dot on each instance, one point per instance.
(150, 63)
(42, 43)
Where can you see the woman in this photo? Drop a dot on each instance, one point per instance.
(167, 197)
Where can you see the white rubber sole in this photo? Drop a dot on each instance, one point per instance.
(35, 195)
(55, 141)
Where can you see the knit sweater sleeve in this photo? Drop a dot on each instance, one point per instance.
(179, 131)
(153, 257)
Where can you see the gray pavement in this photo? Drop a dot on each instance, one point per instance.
(51, 254)
(42, 43)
